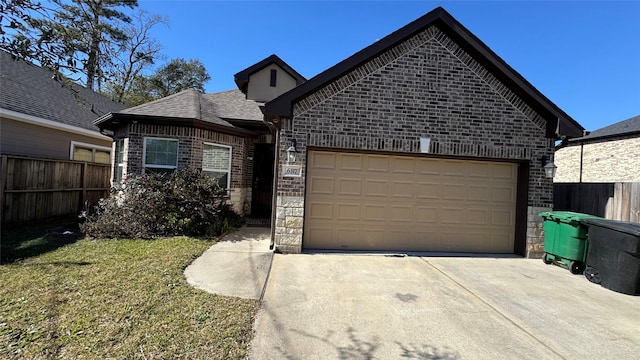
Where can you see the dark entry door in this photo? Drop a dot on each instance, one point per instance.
(262, 180)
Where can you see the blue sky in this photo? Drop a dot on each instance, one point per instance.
(583, 55)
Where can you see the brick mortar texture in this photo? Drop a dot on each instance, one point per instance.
(429, 87)
(427, 92)
(613, 160)
(190, 146)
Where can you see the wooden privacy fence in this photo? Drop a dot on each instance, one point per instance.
(615, 201)
(35, 189)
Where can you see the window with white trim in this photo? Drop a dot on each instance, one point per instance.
(216, 162)
(90, 153)
(160, 155)
(119, 160)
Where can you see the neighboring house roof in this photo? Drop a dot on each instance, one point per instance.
(233, 105)
(31, 90)
(623, 128)
(558, 121)
(242, 78)
(188, 107)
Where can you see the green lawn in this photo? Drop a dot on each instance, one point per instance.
(114, 299)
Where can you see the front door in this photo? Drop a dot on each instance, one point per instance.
(261, 195)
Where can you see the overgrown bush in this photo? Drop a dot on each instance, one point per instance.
(144, 206)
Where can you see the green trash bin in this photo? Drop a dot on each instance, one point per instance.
(565, 239)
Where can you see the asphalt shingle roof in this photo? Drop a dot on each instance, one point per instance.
(233, 104)
(631, 125)
(191, 104)
(31, 90)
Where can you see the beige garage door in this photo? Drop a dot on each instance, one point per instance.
(382, 202)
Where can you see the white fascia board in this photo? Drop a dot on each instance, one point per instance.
(14, 115)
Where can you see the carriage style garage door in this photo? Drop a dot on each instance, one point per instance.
(382, 202)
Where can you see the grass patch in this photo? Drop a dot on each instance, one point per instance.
(118, 299)
(32, 239)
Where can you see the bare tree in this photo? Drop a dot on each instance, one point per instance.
(138, 52)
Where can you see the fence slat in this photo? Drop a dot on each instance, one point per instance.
(614, 201)
(34, 189)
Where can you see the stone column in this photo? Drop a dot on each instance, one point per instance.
(535, 231)
(289, 224)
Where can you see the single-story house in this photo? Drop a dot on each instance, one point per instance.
(222, 133)
(45, 116)
(607, 155)
(424, 141)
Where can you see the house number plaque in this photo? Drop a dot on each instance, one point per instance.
(292, 171)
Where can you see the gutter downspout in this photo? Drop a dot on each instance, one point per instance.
(275, 132)
(581, 157)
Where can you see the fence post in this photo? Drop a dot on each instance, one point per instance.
(83, 185)
(3, 181)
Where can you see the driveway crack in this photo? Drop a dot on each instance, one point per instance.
(502, 314)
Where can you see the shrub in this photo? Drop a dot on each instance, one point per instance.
(144, 206)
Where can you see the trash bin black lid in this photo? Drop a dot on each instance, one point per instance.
(629, 243)
(620, 226)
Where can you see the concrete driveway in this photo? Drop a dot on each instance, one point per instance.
(336, 306)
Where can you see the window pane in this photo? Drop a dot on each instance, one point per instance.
(215, 157)
(120, 146)
(118, 175)
(161, 152)
(103, 157)
(82, 154)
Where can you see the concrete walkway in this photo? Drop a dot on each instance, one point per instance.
(238, 265)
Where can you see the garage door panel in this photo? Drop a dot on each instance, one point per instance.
(402, 189)
(320, 211)
(426, 215)
(477, 169)
(454, 192)
(454, 168)
(401, 213)
(320, 237)
(478, 216)
(374, 238)
(503, 194)
(504, 171)
(428, 167)
(324, 160)
(351, 162)
(348, 211)
(321, 185)
(375, 187)
(426, 190)
(382, 202)
(502, 217)
(374, 212)
(349, 186)
(452, 216)
(479, 193)
(377, 163)
(402, 165)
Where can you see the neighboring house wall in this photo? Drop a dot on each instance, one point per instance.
(28, 139)
(417, 89)
(190, 146)
(606, 160)
(260, 89)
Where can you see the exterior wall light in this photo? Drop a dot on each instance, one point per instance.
(549, 167)
(292, 152)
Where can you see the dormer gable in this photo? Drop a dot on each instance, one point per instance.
(267, 79)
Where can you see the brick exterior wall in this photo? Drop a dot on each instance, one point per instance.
(190, 146)
(426, 86)
(607, 160)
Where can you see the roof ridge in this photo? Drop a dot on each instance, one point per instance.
(198, 105)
